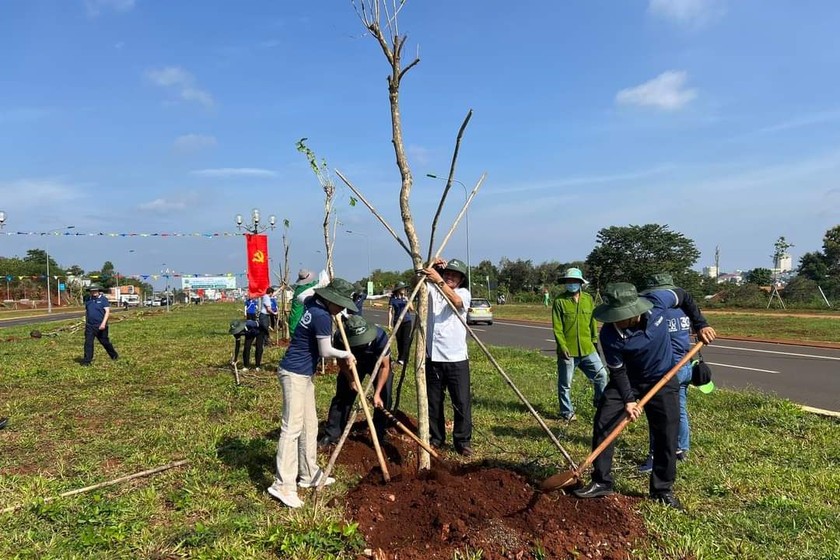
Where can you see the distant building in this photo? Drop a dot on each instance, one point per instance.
(710, 271)
(782, 265)
(731, 278)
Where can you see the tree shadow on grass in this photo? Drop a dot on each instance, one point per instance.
(498, 405)
(251, 455)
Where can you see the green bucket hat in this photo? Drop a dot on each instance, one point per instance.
(459, 266)
(339, 292)
(620, 302)
(237, 326)
(359, 331)
(399, 286)
(95, 287)
(660, 281)
(573, 274)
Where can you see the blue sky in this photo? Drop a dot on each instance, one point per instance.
(716, 117)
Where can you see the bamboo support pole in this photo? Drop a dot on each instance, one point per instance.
(105, 484)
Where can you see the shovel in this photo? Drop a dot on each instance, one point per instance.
(570, 478)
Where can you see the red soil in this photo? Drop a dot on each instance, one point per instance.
(461, 507)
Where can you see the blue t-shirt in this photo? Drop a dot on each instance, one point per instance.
(95, 309)
(251, 306)
(252, 329)
(302, 355)
(398, 304)
(644, 350)
(367, 354)
(359, 299)
(273, 303)
(679, 327)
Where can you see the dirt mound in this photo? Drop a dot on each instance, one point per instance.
(457, 507)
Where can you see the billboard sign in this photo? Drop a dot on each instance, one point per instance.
(208, 283)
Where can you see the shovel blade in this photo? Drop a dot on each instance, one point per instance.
(560, 480)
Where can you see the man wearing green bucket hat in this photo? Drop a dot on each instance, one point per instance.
(97, 312)
(296, 462)
(367, 341)
(576, 335)
(637, 349)
(680, 323)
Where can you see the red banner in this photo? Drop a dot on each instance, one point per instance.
(258, 280)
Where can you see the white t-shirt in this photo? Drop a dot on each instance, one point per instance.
(446, 336)
(265, 304)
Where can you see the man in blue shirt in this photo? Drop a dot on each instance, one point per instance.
(637, 349)
(680, 323)
(97, 312)
(250, 330)
(367, 341)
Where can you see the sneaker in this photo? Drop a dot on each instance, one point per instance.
(314, 484)
(3, 422)
(647, 466)
(243, 369)
(325, 442)
(682, 454)
(289, 499)
(400, 362)
(84, 363)
(569, 417)
(115, 357)
(256, 369)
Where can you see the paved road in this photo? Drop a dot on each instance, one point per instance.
(805, 375)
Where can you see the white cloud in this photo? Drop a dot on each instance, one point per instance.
(194, 142)
(419, 154)
(687, 12)
(803, 121)
(667, 91)
(96, 7)
(163, 205)
(226, 172)
(26, 194)
(180, 81)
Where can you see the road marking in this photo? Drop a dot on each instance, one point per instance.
(776, 352)
(742, 367)
(524, 326)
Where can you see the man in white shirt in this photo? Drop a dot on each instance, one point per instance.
(447, 362)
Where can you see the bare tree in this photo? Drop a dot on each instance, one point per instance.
(322, 172)
(380, 18)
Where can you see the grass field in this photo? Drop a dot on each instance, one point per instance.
(762, 480)
(757, 323)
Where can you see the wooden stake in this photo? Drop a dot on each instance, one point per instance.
(104, 484)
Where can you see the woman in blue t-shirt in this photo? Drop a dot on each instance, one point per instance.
(397, 303)
(296, 463)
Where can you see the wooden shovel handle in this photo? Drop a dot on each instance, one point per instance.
(363, 401)
(409, 433)
(642, 402)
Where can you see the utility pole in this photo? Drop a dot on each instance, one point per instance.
(717, 263)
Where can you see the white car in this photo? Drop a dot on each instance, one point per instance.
(480, 311)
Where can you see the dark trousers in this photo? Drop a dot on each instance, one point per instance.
(246, 354)
(663, 415)
(263, 337)
(342, 404)
(455, 378)
(91, 332)
(403, 339)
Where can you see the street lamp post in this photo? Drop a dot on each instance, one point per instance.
(166, 272)
(254, 228)
(47, 251)
(367, 243)
(467, 216)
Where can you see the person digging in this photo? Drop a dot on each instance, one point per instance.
(637, 350)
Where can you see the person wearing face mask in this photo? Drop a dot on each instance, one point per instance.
(576, 335)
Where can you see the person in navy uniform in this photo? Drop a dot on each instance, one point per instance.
(296, 460)
(248, 329)
(97, 312)
(638, 352)
(367, 341)
(397, 303)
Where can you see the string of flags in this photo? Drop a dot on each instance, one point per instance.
(103, 234)
(10, 277)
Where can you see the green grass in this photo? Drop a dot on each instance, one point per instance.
(762, 480)
(757, 323)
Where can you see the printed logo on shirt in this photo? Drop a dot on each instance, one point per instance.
(657, 322)
(306, 319)
(685, 324)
